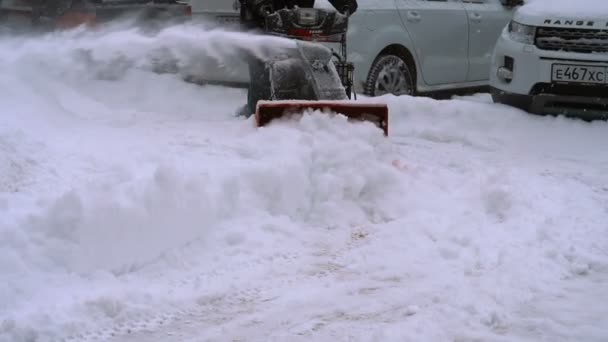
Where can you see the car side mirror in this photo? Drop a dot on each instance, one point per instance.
(511, 3)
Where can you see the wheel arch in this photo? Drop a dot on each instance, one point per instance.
(366, 46)
(404, 53)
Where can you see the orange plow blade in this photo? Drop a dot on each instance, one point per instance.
(376, 113)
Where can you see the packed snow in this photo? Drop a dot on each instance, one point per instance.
(135, 206)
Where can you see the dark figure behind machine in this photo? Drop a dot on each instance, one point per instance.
(253, 13)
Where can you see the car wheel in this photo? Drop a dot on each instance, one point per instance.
(390, 74)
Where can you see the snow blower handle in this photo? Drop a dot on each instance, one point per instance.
(310, 24)
(345, 7)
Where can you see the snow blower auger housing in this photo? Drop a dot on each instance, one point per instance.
(313, 76)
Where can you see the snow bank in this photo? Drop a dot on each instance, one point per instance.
(137, 207)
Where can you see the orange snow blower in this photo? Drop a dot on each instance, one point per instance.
(313, 76)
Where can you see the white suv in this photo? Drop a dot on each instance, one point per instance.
(402, 46)
(553, 59)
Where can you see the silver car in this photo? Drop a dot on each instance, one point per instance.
(401, 46)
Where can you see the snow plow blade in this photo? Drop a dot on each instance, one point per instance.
(376, 113)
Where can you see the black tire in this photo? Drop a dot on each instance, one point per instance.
(390, 74)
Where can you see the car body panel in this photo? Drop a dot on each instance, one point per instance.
(441, 50)
(532, 65)
(579, 14)
(532, 76)
(371, 30)
(487, 18)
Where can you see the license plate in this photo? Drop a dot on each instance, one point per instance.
(579, 73)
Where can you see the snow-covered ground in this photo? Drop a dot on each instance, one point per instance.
(135, 207)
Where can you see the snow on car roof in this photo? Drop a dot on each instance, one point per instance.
(566, 8)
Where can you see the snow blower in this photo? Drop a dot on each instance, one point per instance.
(313, 76)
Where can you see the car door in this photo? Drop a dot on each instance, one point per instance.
(439, 30)
(487, 18)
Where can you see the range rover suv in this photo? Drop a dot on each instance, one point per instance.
(400, 46)
(551, 59)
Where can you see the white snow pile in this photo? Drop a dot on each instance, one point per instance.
(138, 208)
(566, 8)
